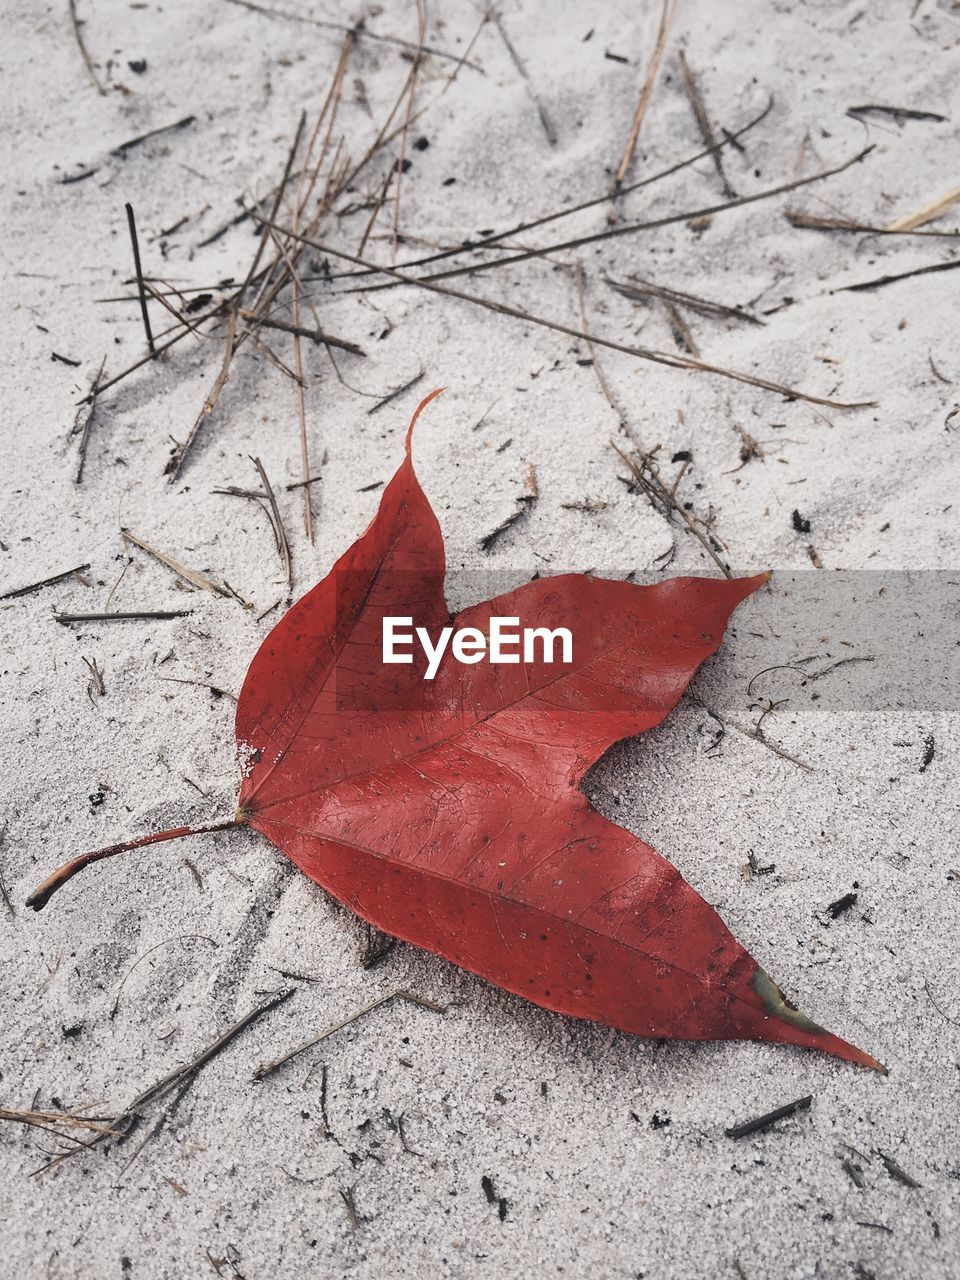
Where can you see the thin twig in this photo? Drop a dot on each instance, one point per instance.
(652, 486)
(631, 228)
(384, 139)
(703, 122)
(391, 173)
(939, 1008)
(283, 546)
(189, 575)
(319, 336)
(567, 211)
(331, 104)
(358, 31)
(753, 734)
(812, 222)
(765, 1121)
(192, 325)
(158, 614)
(647, 90)
(201, 684)
(268, 1068)
(83, 421)
(275, 209)
(640, 290)
(129, 145)
(517, 61)
(596, 365)
(642, 353)
(899, 113)
(897, 1173)
(81, 45)
(175, 465)
(182, 1075)
(398, 391)
(414, 72)
(881, 282)
(47, 582)
(132, 224)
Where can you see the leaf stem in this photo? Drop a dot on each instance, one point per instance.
(42, 895)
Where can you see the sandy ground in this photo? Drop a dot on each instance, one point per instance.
(605, 1155)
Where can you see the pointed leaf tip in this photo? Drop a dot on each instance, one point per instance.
(793, 1027)
(416, 414)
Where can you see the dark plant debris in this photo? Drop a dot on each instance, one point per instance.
(771, 1118)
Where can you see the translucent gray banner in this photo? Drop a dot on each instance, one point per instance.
(858, 640)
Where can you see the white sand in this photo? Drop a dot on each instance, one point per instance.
(556, 1114)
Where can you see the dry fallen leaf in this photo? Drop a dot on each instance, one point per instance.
(447, 811)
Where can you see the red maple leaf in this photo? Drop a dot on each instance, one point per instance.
(447, 811)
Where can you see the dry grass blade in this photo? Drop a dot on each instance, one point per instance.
(268, 1068)
(754, 734)
(641, 290)
(414, 72)
(811, 222)
(46, 582)
(83, 422)
(703, 122)
(383, 139)
(647, 91)
(56, 1122)
(927, 213)
(175, 465)
(189, 575)
(177, 315)
(648, 481)
(278, 197)
(304, 192)
(641, 353)
(318, 336)
(546, 122)
(141, 291)
(283, 546)
(81, 45)
(631, 228)
(180, 1076)
(357, 31)
(567, 211)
